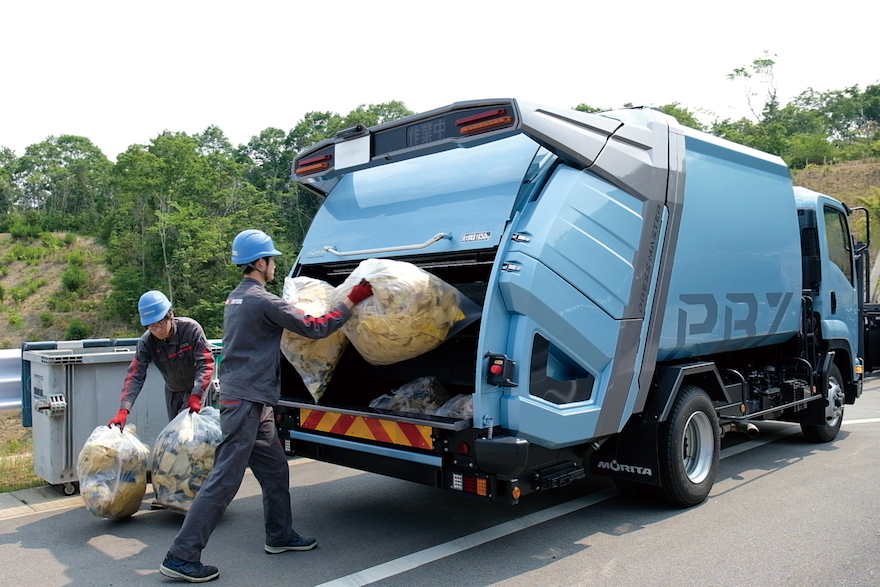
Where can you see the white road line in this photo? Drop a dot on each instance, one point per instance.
(429, 555)
(435, 553)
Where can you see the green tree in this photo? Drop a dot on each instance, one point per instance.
(66, 178)
(682, 115)
(759, 80)
(8, 193)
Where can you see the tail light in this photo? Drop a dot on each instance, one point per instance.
(484, 121)
(313, 164)
(475, 484)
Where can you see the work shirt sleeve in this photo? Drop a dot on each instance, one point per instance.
(136, 375)
(204, 363)
(285, 315)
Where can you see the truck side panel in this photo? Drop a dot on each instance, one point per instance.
(733, 283)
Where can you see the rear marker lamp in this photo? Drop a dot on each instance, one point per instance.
(313, 164)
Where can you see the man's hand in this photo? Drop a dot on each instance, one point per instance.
(360, 292)
(194, 403)
(120, 419)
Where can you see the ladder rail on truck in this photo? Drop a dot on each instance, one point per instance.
(611, 372)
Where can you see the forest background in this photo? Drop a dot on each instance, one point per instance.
(163, 215)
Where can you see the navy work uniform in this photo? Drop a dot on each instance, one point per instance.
(184, 360)
(253, 322)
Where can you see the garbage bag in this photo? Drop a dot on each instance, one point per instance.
(183, 456)
(421, 396)
(313, 359)
(112, 472)
(410, 312)
(460, 407)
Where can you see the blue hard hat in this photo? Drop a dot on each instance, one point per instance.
(153, 306)
(250, 245)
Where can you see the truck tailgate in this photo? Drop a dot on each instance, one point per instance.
(397, 429)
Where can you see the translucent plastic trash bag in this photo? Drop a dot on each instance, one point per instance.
(313, 359)
(183, 456)
(112, 472)
(410, 312)
(421, 396)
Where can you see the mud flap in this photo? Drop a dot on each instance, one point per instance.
(632, 454)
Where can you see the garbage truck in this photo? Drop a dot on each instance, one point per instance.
(644, 289)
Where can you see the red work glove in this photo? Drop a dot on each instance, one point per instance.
(194, 403)
(120, 419)
(360, 292)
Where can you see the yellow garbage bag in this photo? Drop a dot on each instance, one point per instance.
(112, 472)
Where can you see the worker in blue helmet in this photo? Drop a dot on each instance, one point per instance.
(178, 348)
(253, 321)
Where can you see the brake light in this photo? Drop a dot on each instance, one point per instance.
(313, 164)
(484, 121)
(489, 124)
(481, 116)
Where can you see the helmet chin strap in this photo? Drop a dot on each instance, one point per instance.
(261, 272)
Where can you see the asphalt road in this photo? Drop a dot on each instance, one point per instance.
(783, 512)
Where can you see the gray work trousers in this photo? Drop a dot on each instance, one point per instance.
(249, 439)
(175, 401)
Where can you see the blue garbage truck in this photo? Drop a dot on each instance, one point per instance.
(645, 289)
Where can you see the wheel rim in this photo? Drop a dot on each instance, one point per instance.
(697, 447)
(835, 402)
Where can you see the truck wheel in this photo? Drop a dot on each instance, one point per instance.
(828, 431)
(636, 490)
(689, 447)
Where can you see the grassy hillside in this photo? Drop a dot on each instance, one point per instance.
(847, 182)
(54, 288)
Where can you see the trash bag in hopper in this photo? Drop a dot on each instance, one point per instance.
(313, 359)
(410, 312)
(460, 407)
(183, 456)
(421, 396)
(112, 472)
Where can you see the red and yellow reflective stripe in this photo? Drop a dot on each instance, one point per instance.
(401, 433)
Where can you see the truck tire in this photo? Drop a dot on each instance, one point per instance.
(689, 447)
(828, 431)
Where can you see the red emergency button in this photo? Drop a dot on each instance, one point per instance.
(495, 369)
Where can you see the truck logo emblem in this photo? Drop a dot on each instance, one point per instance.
(617, 467)
(475, 236)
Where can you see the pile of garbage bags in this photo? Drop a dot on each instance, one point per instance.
(426, 395)
(183, 456)
(410, 313)
(112, 472)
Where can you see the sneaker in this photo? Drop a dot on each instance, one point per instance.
(192, 572)
(298, 543)
(155, 505)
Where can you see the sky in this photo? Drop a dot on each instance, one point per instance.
(121, 73)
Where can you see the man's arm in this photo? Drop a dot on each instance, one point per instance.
(135, 376)
(204, 360)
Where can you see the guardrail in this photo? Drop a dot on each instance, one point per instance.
(10, 379)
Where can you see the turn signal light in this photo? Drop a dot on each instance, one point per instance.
(313, 164)
(488, 124)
